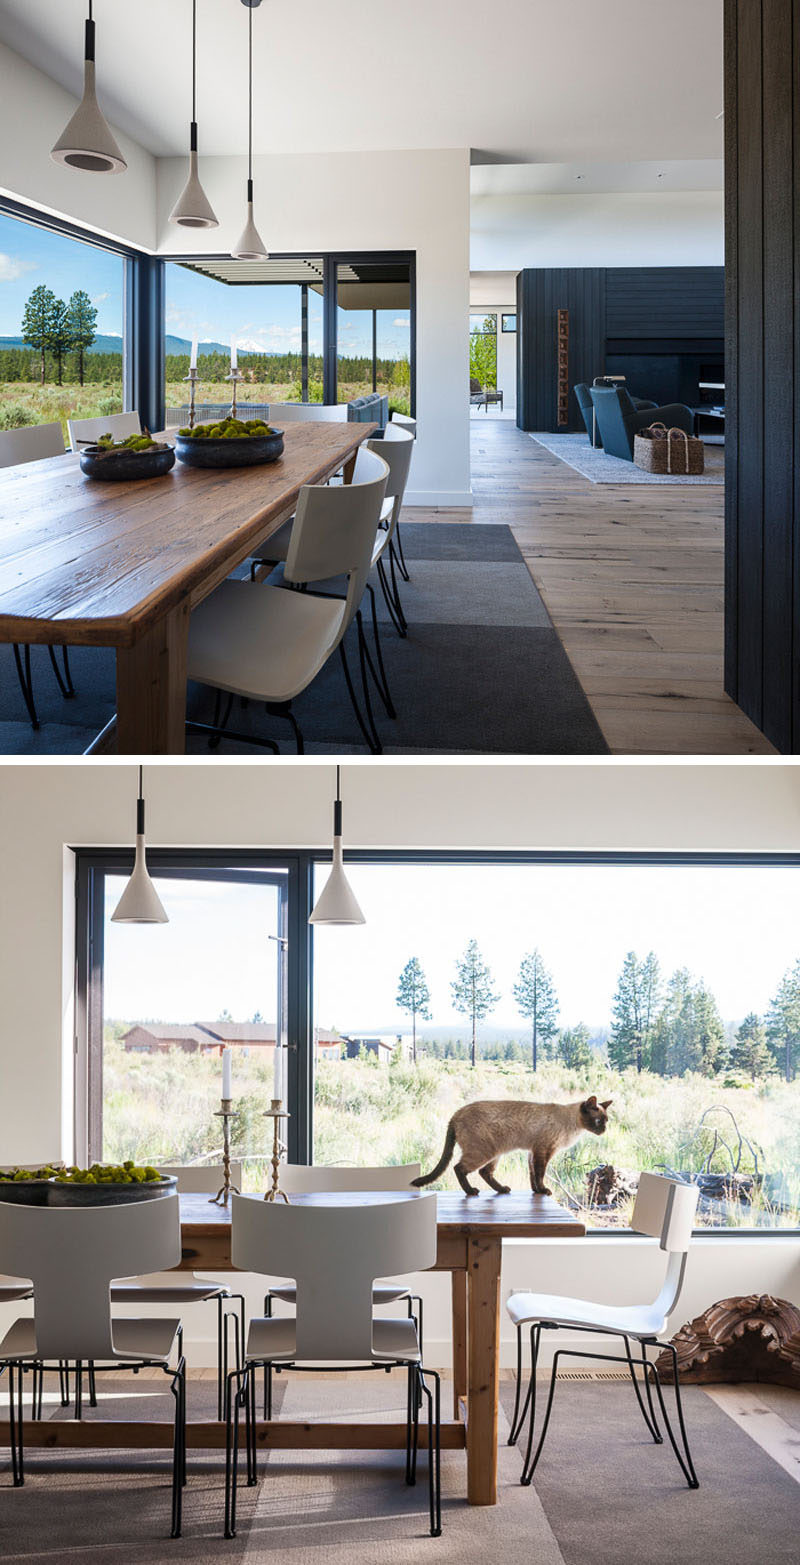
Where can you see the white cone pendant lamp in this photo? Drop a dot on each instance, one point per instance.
(193, 208)
(140, 902)
(336, 903)
(250, 246)
(87, 142)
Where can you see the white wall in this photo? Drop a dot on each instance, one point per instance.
(368, 201)
(620, 228)
(45, 810)
(33, 113)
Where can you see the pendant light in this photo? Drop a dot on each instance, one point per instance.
(140, 902)
(192, 208)
(336, 903)
(88, 142)
(250, 246)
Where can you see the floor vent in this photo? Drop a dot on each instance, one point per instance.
(589, 1374)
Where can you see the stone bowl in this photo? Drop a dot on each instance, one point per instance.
(27, 1192)
(68, 1194)
(115, 467)
(243, 451)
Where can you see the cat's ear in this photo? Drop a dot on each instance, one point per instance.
(590, 1103)
(607, 1103)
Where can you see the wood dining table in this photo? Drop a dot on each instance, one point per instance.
(122, 565)
(471, 1232)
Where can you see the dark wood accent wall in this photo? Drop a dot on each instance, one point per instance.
(762, 220)
(608, 307)
(540, 296)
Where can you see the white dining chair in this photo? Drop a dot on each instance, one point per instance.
(72, 1255)
(34, 443)
(197, 1179)
(404, 422)
(664, 1209)
(396, 447)
(84, 431)
(310, 1178)
(267, 644)
(334, 1253)
(307, 413)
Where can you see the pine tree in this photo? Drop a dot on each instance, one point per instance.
(38, 322)
(689, 1035)
(783, 1023)
(536, 998)
(634, 1012)
(60, 337)
(82, 322)
(414, 996)
(473, 994)
(574, 1048)
(750, 1051)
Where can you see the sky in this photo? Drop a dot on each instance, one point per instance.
(31, 255)
(738, 929)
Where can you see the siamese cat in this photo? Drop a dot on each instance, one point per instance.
(484, 1131)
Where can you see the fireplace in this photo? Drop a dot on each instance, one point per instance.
(667, 370)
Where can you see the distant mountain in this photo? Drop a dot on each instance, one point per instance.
(107, 344)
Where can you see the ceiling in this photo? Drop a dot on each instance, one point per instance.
(551, 81)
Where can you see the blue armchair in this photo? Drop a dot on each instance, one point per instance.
(583, 397)
(618, 419)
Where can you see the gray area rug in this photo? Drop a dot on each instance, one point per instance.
(599, 468)
(482, 670)
(604, 1495)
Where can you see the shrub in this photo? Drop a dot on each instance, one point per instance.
(108, 405)
(15, 415)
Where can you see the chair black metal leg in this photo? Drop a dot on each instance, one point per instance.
(530, 1465)
(411, 1396)
(395, 588)
(401, 559)
(92, 1385)
(298, 736)
(26, 682)
(268, 1367)
(399, 624)
(78, 1388)
(516, 1421)
(178, 1389)
(231, 1451)
(64, 680)
(364, 659)
(63, 1381)
(380, 678)
(652, 1426)
(15, 1424)
(649, 1393)
(687, 1466)
(252, 1473)
(222, 1327)
(220, 720)
(351, 692)
(434, 1449)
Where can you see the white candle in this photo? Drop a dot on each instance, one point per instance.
(233, 353)
(277, 1072)
(226, 1073)
(193, 359)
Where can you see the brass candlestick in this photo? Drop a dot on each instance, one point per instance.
(226, 1114)
(276, 1112)
(235, 376)
(192, 378)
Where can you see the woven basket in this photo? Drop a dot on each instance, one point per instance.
(668, 451)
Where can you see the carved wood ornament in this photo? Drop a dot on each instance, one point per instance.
(752, 1338)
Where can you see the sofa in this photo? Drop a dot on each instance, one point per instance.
(372, 409)
(583, 397)
(618, 419)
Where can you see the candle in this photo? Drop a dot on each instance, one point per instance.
(226, 1073)
(233, 353)
(193, 359)
(277, 1069)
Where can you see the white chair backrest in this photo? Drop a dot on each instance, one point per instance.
(664, 1209)
(30, 444)
(84, 431)
(396, 447)
(201, 1179)
(334, 529)
(300, 1178)
(307, 413)
(404, 422)
(334, 1253)
(72, 1254)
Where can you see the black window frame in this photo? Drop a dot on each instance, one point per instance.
(301, 1019)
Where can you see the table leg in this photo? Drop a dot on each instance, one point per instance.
(460, 1368)
(349, 468)
(151, 689)
(483, 1330)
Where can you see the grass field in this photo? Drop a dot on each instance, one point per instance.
(161, 1107)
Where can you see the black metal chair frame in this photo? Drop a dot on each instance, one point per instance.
(648, 1414)
(417, 1388)
(177, 1387)
(22, 659)
(412, 1299)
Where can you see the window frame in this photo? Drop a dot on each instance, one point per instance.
(301, 1019)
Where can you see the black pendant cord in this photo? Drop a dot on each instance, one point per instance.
(337, 807)
(88, 52)
(140, 808)
(250, 103)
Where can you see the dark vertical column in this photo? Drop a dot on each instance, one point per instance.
(304, 341)
(541, 293)
(762, 107)
(329, 295)
(374, 350)
(146, 333)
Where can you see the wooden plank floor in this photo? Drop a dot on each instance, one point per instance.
(632, 576)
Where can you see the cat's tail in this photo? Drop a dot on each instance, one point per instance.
(447, 1153)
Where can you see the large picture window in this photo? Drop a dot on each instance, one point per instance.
(669, 985)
